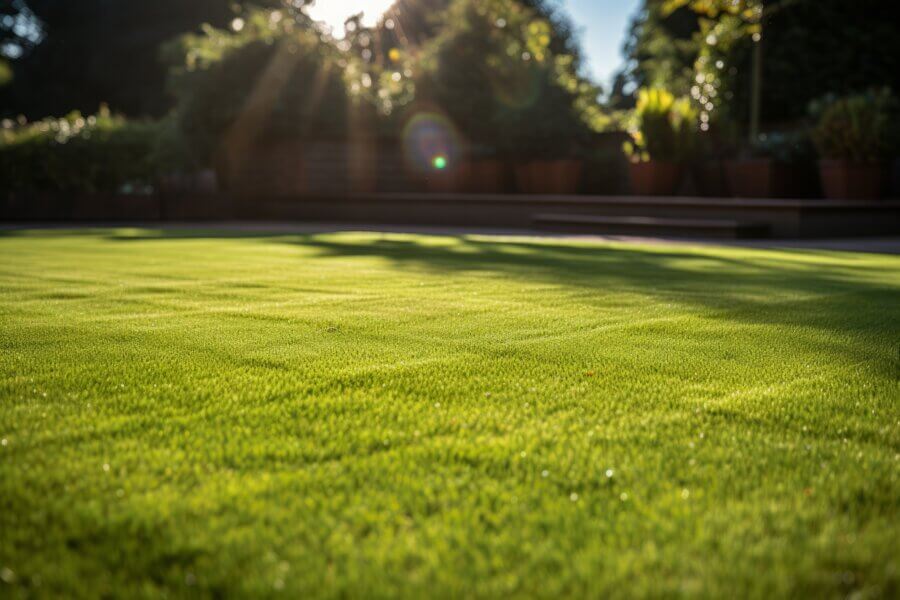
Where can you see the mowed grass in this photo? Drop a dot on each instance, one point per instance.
(366, 415)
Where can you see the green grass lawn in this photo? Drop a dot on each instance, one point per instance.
(366, 415)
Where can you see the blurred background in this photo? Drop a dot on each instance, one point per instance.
(206, 99)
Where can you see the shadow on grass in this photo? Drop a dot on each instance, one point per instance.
(830, 291)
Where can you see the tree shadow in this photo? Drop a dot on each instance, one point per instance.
(853, 301)
(833, 292)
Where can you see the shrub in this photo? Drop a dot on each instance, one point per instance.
(855, 128)
(97, 153)
(6, 74)
(664, 128)
(493, 72)
(267, 83)
(782, 146)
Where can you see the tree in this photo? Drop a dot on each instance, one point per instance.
(806, 48)
(93, 51)
(411, 23)
(269, 81)
(660, 51)
(494, 71)
(815, 47)
(19, 32)
(20, 29)
(383, 58)
(723, 25)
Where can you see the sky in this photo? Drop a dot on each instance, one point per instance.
(602, 25)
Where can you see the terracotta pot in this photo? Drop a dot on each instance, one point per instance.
(709, 179)
(447, 181)
(266, 170)
(549, 177)
(485, 176)
(842, 180)
(654, 178)
(758, 178)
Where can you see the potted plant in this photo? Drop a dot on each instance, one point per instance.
(549, 136)
(852, 139)
(662, 139)
(260, 127)
(548, 142)
(485, 172)
(523, 107)
(549, 176)
(457, 105)
(755, 175)
(715, 144)
(448, 168)
(548, 139)
(777, 165)
(605, 170)
(710, 180)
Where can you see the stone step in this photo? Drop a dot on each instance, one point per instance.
(655, 226)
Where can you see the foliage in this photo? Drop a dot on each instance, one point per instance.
(20, 29)
(411, 23)
(271, 80)
(196, 52)
(100, 152)
(686, 46)
(791, 147)
(660, 51)
(172, 153)
(809, 48)
(725, 139)
(6, 73)
(855, 127)
(750, 12)
(712, 88)
(377, 70)
(664, 127)
(493, 71)
(201, 414)
(90, 52)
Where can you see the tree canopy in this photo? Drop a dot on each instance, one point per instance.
(67, 55)
(810, 48)
(500, 70)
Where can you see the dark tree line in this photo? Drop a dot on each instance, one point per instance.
(810, 48)
(94, 51)
(79, 54)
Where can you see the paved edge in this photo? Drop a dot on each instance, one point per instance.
(875, 245)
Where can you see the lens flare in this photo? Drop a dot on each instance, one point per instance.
(430, 143)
